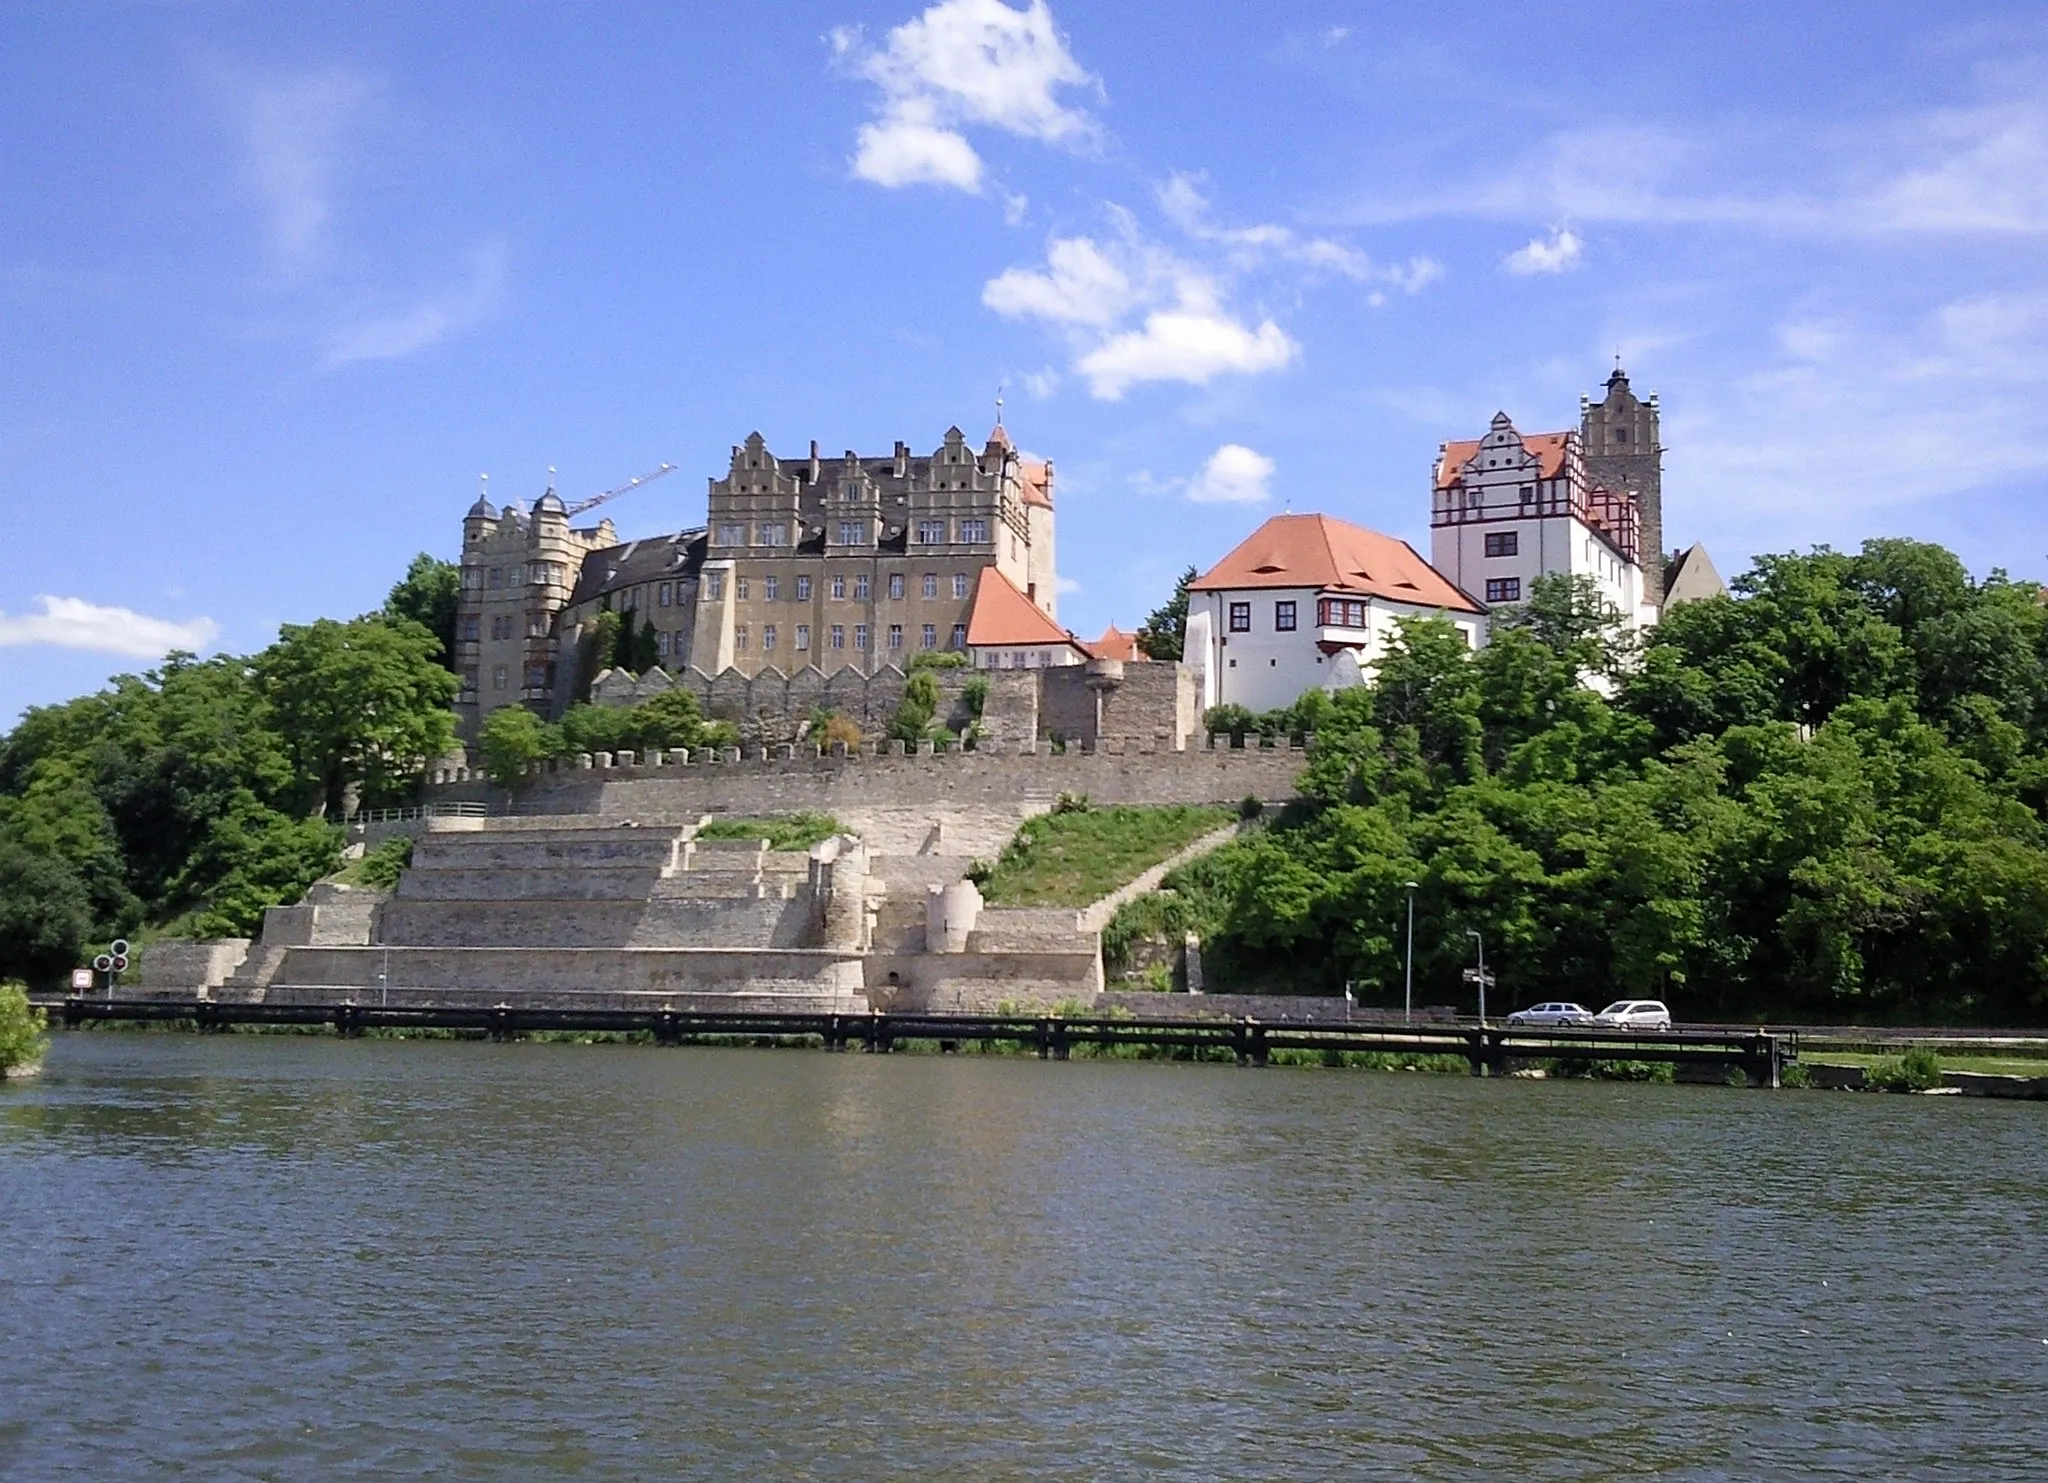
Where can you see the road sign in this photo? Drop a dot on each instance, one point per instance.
(1474, 976)
(81, 979)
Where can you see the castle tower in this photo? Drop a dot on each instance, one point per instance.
(1625, 452)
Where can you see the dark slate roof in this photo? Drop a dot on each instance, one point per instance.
(658, 559)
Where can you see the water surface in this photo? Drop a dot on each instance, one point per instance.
(238, 1257)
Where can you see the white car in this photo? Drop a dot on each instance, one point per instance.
(1634, 1014)
(1552, 1014)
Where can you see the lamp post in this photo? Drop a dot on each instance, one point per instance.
(1479, 976)
(1408, 976)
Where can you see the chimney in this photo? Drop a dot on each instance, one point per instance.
(902, 459)
(815, 467)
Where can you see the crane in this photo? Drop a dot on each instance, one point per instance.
(626, 488)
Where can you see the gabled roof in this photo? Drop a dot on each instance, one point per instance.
(1037, 484)
(1333, 555)
(1004, 617)
(1116, 644)
(1547, 447)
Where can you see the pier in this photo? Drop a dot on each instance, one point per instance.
(1491, 1049)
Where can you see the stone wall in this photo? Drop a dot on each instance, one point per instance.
(773, 707)
(180, 968)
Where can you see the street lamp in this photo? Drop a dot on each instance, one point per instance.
(1408, 977)
(1479, 975)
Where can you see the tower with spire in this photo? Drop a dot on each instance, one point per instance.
(1624, 452)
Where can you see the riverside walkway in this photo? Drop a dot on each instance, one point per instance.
(1489, 1048)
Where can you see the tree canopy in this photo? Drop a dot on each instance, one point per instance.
(1822, 796)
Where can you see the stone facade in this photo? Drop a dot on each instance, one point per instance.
(1624, 452)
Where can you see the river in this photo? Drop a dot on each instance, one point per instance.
(241, 1257)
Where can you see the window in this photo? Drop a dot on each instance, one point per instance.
(1621, 435)
(497, 576)
(1503, 542)
(895, 635)
(774, 533)
(960, 586)
(931, 532)
(740, 585)
(739, 638)
(973, 530)
(536, 625)
(536, 676)
(472, 577)
(767, 637)
(771, 588)
(895, 586)
(860, 587)
(661, 594)
(1240, 617)
(839, 635)
(1504, 589)
(1333, 612)
(732, 535)
(498, 678)
(928, 636)
(803, 637)
(860, 636)
(803, 589)
(851, 532)
(1283, 617)
(850, 490)
(714, 585)
(469, 632)
(661, 644)
(1528, 494)
(838, 586)
(959, 635)
(931, 584)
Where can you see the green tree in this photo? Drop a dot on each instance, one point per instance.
(255, 858)
(22, 1040)
(511, 740)
(642, 650)
(364, 702)
(428, 595)
(1164, 634)
(45, 915)
(912, 722)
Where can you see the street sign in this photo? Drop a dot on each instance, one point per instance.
(81, 980)
(1474, 976)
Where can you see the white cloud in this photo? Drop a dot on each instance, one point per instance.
(1334, 34)
(1081, 284)
(394, 336)
(1040, 384)
(963, 63)
(1234, 475)
(1193, 343)
(1065, 586)
(296, 129)
(1182, 200)
(73, 623)
(1554, 254)
(906, 148)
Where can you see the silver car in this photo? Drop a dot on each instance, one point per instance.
(1557, 1013)
(1634, 1014)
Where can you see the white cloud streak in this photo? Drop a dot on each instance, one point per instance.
(962, 63)
(73, 623)
(428, 323)
(295, 131)
(1194, 343)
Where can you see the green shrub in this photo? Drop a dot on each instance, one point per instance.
(1568, 1069)
(940, 659)
(1918, 1070)
(1796, 1076)
(22, 1040)
(380, 868)
(783, 831)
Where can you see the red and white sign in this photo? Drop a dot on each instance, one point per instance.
(81, 978)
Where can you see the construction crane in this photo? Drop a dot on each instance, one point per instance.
(626, 488)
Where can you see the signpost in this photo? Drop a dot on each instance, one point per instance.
(81, 980)
(1479, 975)
(113, 963)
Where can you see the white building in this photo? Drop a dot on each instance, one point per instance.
(1511, 507)
(1310, 601)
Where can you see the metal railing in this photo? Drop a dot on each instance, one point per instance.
(418, 811)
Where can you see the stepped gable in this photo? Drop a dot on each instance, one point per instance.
(1550, 450)
(1323, 553)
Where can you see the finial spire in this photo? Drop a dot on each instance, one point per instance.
(999, 406)
(551, 478)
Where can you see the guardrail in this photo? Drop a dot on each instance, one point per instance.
(418, 811)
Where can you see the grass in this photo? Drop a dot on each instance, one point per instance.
(1079, 854)
(377, 869)
(782, 831)
(1987, 1065)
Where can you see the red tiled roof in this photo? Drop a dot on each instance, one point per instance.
(1548, 448)
(1116, 644)
(1004, 617)
(1333, 555)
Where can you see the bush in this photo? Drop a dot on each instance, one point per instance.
(1918, 1070)
(783, 832)
(380, 868)
(828, 727)
(939, 659)
(22, 1040)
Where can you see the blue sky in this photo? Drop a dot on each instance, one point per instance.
(277, 282)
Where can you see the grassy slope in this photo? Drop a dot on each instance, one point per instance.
(783, 832)
(1072, 859)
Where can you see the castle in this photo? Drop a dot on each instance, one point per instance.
(859, 562)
